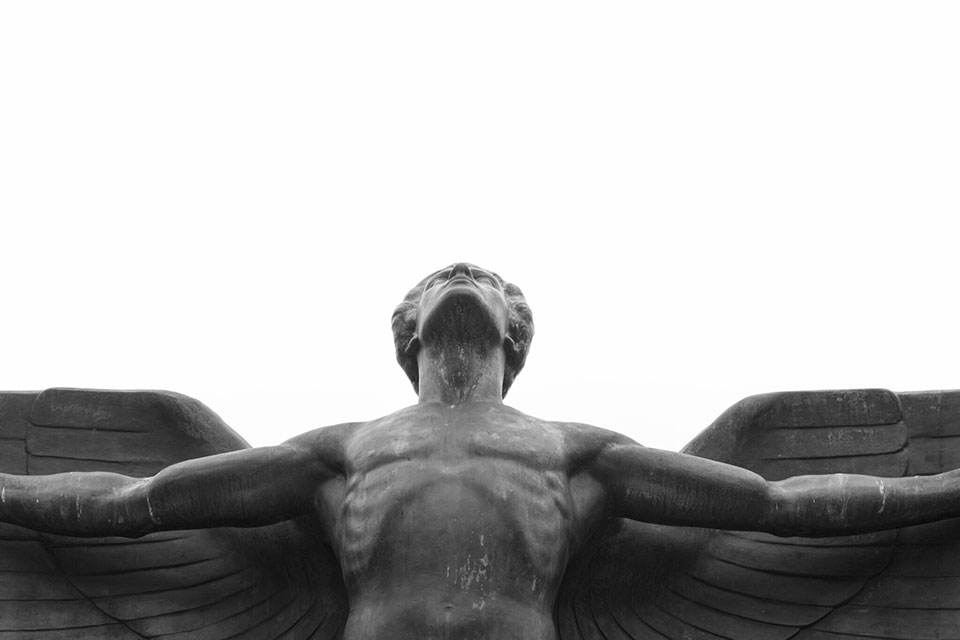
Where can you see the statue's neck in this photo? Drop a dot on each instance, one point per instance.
(456, 373)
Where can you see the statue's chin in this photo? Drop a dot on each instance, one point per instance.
(461, 318)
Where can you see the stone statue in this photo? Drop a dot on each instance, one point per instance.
(141, 515)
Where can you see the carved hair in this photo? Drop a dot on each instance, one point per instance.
(519, 332)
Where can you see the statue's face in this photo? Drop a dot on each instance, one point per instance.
(463, 293)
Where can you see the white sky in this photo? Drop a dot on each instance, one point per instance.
(701, 201)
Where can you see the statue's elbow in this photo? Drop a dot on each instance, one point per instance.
(780, 516)
(133, 515)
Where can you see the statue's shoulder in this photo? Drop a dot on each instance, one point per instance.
(583, 442)
(326, 441)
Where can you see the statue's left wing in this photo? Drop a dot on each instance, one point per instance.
(262, 583)
(640, 581)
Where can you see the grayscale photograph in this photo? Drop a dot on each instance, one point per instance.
(521, 321)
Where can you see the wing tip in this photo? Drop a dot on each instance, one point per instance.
(110, 409)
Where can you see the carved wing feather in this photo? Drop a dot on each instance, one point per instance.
(647, 582)
(263, 583)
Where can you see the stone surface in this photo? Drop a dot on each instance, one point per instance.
(460, 517)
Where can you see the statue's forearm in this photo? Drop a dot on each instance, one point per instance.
(671, 488)
(246, 488)
(848, 504)
(77, 504)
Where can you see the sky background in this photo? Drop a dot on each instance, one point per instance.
(701, 201)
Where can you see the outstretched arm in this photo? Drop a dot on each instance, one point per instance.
(673, 488)
(242, 488)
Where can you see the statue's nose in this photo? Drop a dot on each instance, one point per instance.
(461, 267)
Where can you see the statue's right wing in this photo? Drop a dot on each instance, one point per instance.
(640, 581)
(262, 583)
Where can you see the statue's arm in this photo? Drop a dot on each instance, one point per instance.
(672, 488)
(242, 488)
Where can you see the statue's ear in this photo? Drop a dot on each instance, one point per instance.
(409, 362)
(413, 346)
(511, 345)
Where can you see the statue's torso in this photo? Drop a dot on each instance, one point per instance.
(456, 522)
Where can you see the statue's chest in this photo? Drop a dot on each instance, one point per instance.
(454, 439)
(480, 491)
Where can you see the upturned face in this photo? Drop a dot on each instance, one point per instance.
(463, 302)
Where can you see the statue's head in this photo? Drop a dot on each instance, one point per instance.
(407, 320)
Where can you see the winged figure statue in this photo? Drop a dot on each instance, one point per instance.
(803, 515)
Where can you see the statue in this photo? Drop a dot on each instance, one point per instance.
(141, 515)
